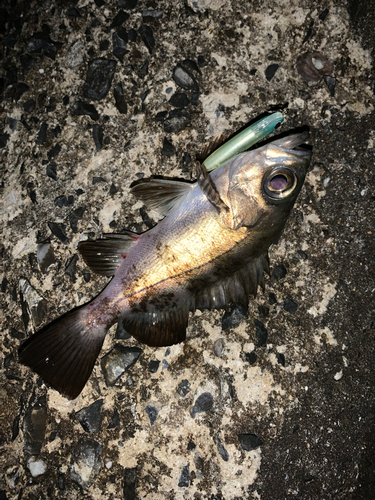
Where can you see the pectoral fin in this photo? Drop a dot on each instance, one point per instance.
(208, 188)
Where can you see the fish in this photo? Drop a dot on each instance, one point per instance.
(209, 250)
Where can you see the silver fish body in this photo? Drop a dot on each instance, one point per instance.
(208, 251)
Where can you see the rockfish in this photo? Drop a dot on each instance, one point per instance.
(211, 249)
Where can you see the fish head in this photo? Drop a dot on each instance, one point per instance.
(264, 185)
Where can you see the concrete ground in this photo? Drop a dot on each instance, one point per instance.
(274, 405)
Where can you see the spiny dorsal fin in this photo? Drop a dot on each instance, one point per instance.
(211, 147)
(208, 188)
(161, 194)
(105, 255)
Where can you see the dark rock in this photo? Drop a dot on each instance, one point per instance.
(113, 189)
(331, 84)
(263, 311)
(309, 32)
(219, 347)
(119, 42)
(270, 71)
(234, 316)
(261, 333)
(161, 116)
(184, 78)
(51, 171)
(312, 66)
(99, 78)
(41, 43)
(42, 134)
(279, 272)
(202, 62)
(184, 388)
(152, 413)
(61, 201)
(74, 217)
(58, 231)
(281, 358)
(194, 98)
(73, 12)
(179, 100)
(119, 19)
(186, 160)
(120, 99)
(168, 148)
(164, 365)
(56, 131)
(115, 420)
(121, 333)
(82, 108)
(21, 88)
(203, 403)
(29, 105)
(153, 366)
(147, 37)
(178, 119)
(130, 479)
(27, 62)
(118, 361)
(290, 305)
(61, 482)
(322, 16)
(11, 76)
(249, 441)
(251, 357)
(10, 40)
(272, 298)
(34, 426)
(87, 463)
(221, 450)
(127, 4)
(191, 446)
(71, 268)
(146, 218)
(55, 151)
(3, 140)
(143, 70)
(184, 480)
(97, 134)
(90, 417)
(192, 65)
(45, 256)
(132, 35)
(33, 305)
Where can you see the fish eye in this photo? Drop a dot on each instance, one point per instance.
(279, 183)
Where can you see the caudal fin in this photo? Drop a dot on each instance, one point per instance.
(64, 352)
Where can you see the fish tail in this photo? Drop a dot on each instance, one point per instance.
(64, 352)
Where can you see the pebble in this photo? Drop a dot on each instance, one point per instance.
(45, 256)
(168, 148)
(152, 413)
(221, 450)
(99, 78)
(281, 358)
(82, 108)
(51, 171)
(90, 417)
(34, 425)
(41, 43)
(177, 120)
(312, 66)
(184, 388)
(119, 43)
(184, 480)
(120, 99)
(87, 463)
(154, 365)
(203, 403)
(127, 4)
(119, 19)
(115, 420)
(330, 83)
(54, 152)
(29, 105)
(251, 357)
(98, 135)
(71, 268)
(74, 217)
(130, 479)
(36, 306)
(118, 361)
(249, 441)
(36, 467)
(219, 347)
(279, 272)
(290, 305)
(58, 231)
(234, 316)
(270, 71)
(179, 100)
(261, 333)
(121, 333)
(147, 37)
(184, 78)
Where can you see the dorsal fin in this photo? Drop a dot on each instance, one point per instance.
(161, 194)
(105, 255)
(208, 188)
